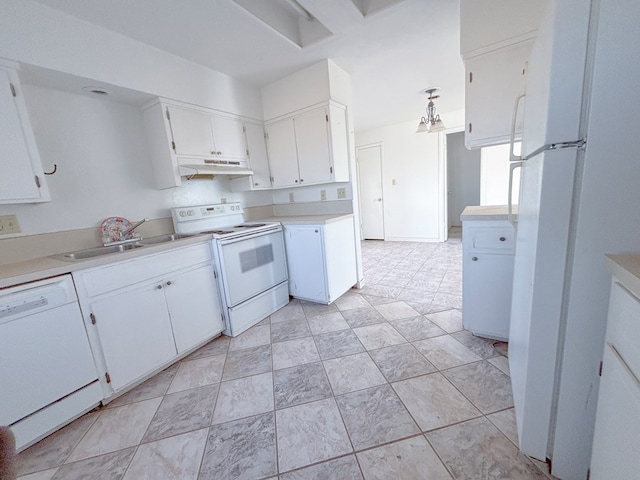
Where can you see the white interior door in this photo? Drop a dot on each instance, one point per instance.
(370, 186)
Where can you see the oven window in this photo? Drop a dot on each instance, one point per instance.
(256, 257)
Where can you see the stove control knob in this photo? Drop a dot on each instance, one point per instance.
(190, 213)
(183, 213)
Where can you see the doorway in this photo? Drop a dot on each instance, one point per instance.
(369, 160)
(463, 177)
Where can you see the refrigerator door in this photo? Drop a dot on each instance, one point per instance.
(541, 247)
(552, 113)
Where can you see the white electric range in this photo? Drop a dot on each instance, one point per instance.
(251, 266)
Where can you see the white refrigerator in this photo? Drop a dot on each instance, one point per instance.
(576, 204)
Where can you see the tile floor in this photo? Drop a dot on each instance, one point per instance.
(382, 384)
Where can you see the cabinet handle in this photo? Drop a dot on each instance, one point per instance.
(169, 283)
(502, 239)
(212, 152)
(255, 184)
(296, 181)
(301, 180)
(159, 287)
(475, 259)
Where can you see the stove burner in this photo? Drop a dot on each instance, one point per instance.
(219, 232)
(250, 225)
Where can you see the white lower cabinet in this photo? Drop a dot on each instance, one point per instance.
(143, 313)
(487, 268)
(135, 332)
(321, 259)
(195, 320)
(616, 440)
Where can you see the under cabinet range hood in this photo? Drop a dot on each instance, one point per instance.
(192, 167)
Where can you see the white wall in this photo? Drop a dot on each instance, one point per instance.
(414, 207)
(100, 145)
(38, 35)
(104, 168)
(463, 180)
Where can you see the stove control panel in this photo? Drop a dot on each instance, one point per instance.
(206, 211)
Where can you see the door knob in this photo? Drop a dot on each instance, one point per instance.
(378, 199)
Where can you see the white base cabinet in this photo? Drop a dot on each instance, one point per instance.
(143, 313)
(616, 441)
(488, 248)
(321, 259)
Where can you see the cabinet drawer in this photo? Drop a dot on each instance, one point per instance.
(492, 239)
(105, 279)
(623, 330)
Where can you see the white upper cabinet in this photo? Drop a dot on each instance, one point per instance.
(496, 37)
(494, 82)
(181, 134)
(200, 134)
(258, 161)
(283, 154)
(229, 138)
(21, 176)
(313, 143)
(309, 147)
(191, 132)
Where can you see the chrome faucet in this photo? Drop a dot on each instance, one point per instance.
(127, 231)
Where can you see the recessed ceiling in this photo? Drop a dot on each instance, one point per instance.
(391, 48)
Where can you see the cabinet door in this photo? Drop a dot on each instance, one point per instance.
(194, 307)
(486, 297)
(21, 178)
(616, 441)
(283, 156)
(305, 259)
(191, 132)
(228, 138)
(135, 332)
(258, 156)
(493, 82)
(312, 141)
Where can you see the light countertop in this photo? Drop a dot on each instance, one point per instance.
(43, 267)
(487, 212)
(308, 219)
(626, 269)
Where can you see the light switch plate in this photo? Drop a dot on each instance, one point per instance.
(9, 224)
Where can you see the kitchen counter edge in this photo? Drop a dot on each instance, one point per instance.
(12, 274)
(308, 219)
(487, 212)
(625, 268)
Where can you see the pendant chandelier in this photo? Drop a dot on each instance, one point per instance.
(432, 122)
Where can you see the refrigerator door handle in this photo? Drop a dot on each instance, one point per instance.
(555, 146)
(514, 118)
(510, 215)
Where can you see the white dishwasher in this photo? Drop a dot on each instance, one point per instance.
(47, 373)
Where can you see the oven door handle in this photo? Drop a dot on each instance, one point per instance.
(249, 235)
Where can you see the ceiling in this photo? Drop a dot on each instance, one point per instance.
(393, 49)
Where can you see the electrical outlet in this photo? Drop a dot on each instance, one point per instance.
(223, 200)
(291, 197)
(342, 192)
(323, 195)
(9, 224)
